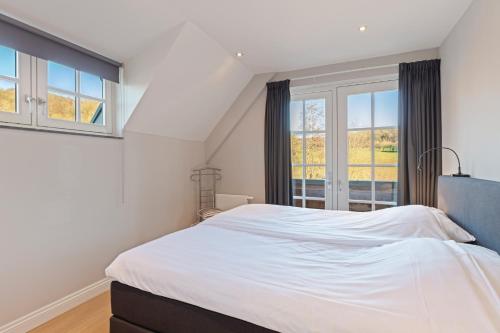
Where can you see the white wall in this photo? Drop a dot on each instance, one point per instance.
(241, 155)
(471, 91)
(69, 204)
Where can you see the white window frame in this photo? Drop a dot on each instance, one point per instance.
(343, 166)
(42, 115)
(23, 91)
(335, 186)
(330, 149)
(31, 101)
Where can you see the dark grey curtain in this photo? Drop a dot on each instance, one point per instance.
(277, 144)
(419, 130)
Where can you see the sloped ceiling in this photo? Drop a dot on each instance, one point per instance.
(191, 89)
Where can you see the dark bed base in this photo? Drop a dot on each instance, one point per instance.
(137, 311)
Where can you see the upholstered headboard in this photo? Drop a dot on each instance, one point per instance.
(474, 204)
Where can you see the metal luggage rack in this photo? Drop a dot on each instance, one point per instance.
(207, 178)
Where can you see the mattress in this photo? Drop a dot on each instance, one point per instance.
(295, 270)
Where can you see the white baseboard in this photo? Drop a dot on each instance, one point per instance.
(54, 309)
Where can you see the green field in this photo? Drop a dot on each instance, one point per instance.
(359, 152)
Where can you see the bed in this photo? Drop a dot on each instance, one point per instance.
(263, 269)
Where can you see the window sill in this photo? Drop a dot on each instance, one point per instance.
(59, 131)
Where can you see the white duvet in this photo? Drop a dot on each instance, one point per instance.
(299, 270)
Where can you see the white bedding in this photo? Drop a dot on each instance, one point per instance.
(272, 270)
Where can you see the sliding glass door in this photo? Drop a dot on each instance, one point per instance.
(344, 145)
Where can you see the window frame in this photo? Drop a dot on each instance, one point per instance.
(22, 82)
(42, 92)
(329, 148)
(32, 88)
(343, 92)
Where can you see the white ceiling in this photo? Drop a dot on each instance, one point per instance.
(276, 35)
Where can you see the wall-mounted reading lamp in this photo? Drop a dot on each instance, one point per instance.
(459, 174)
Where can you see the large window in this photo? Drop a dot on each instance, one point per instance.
(308, 146)
(60, 97)
(344, 146)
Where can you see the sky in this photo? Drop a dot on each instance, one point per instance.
(359, 110)
(386, 109)
(7, 62)
(63, 77)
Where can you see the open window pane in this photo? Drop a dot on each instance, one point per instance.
(360, 147)
(386, 108)
(61, 77)
(296, 116)
(315, 114)
(359, 111)
(91, 111)
(7, 96)
(91, 85)
(386, 146)
(61, 107)
(7, 62)
(315, 148)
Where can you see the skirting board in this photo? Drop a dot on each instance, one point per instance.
(54, 309)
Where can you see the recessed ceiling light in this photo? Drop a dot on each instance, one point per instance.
(239, 54)
(363, 28)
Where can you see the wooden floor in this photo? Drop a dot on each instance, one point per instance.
(90, 317)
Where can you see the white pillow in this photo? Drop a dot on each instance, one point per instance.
(453, 230)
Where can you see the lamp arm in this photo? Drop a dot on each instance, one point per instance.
(419, 167)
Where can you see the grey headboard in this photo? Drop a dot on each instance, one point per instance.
(474, 204)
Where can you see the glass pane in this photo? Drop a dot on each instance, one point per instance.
(91, 112)
(297, 172)
(315, 149)
(359, 146)
(296, 118)
(61, 106)
(360, 207)
(379, 206)
(315, 182)
(359, 111)
(297, 202)
(386, 180)
(315, 172)
(316, 204)
(386, 191)
(386, 174)
(7, 61)
(386, 108)
(91, 85)
(297, 187)
(386, 146)
(296, 147)
(7, 96)
(315, 114)
(61, 77)
(360, 185)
